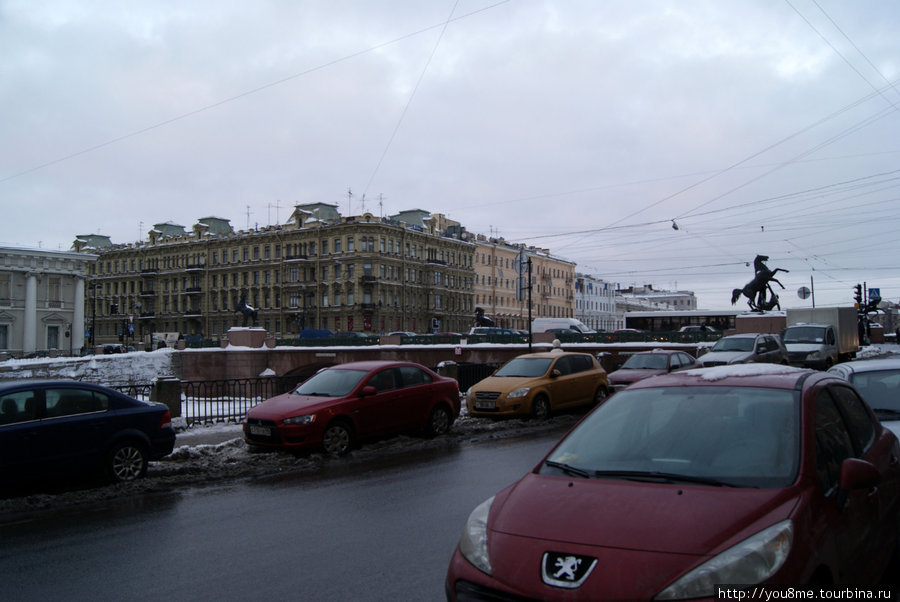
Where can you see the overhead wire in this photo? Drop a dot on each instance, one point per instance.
(241, 95)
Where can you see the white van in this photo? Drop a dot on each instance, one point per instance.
(547, 324)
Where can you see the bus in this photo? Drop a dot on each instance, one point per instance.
(673, 320)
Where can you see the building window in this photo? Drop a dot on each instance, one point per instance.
(54, 294)
(337, 245)
(5, 298)
(351, 244)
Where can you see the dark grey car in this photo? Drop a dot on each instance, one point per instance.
(747, 348)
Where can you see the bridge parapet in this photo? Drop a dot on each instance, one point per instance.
(206, 364)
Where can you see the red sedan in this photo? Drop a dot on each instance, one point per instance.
(345, 403)
(740, 475)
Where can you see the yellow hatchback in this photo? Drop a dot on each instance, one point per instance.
(537, 384)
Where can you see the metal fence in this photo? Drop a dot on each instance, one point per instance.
(210, 401)
(228, 400)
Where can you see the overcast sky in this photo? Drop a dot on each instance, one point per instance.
(590, 128)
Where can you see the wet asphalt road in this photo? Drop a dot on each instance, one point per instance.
(381, 530)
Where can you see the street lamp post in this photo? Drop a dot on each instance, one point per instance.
(93, 288)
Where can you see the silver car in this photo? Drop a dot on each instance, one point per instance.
(746, 348)
(878, 381)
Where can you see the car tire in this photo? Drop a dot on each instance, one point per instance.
(600, 395)
(540, 408)
(126, 461)
(439, 421)
(337, 440)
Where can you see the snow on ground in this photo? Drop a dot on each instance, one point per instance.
(195, 462)
(136, 367)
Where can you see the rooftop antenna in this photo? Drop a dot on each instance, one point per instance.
(363, 203)
(248, 217)
(349, 201)
(140, 231)
(269, 215)
(380, 205)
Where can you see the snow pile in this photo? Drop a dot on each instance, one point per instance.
(136, 367)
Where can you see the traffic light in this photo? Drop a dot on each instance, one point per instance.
(858, 295)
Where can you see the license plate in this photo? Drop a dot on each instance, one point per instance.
(262, 431)
(484, 405)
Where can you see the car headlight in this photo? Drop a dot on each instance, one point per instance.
(517, 393)
(473, 544)
(305, 419)
(752, 561)
(469, 392)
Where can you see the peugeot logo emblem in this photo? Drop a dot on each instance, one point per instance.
(560, 569)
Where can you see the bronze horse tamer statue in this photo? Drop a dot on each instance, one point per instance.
(755, 290)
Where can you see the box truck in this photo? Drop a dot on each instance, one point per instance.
(821, 337)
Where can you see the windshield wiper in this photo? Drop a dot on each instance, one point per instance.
(571, 470)
(668, 477)
(886, 411)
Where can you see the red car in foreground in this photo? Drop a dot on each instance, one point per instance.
(345, 403)
(738, 475)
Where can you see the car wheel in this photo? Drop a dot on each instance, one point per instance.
(337, 439)
(540, 408)
(601, 395)
(439, 421)
(126, 461)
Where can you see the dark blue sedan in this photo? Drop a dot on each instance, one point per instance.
(59, 426)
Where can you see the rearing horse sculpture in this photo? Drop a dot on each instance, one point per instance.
(755, 290)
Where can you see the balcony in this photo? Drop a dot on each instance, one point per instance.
(147, 293)
(195, 267)
(368, 279)
(193, 290)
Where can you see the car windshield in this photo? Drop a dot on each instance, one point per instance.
(646, 361)
(525, 366)
(804, 334)
(734, 344)
(729, 436)
(881, 390)
(331, 383)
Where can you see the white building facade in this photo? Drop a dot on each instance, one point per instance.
(595, 303)
(42, 301)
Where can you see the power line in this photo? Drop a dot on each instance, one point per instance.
(244, 94)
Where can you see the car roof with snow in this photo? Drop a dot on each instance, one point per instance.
(371, 365)
(869, 365)
(776, 376)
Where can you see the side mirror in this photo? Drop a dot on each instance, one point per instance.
(858, 474)
(555, 373)
(367, 391)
